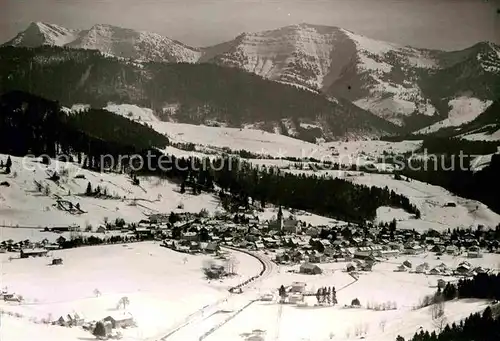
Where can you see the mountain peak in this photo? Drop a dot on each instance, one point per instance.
(40, 33)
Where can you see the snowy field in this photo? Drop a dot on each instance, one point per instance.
(260, 142)
(163, 287)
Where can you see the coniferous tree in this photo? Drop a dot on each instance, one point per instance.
(89, 189)
(9, 162)
(99, 330)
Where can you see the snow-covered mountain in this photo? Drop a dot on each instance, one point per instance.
(335, 61)
(116, 41)
(38, 34)
(404, 85)
(393, 81)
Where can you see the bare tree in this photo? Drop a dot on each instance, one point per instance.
(439, 320)
(437, 309)
(440, 323)
(123, 302)
(97, 293)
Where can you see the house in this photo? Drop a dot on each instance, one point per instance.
(474, 252)
(350, 268)
(60, 229)
(414, 249)
(463, 269)
(52, 246)
(57, 261)
(259, 245)
(299, 287)
(312, 232)
(367, 266)
(69, 320)
(310, 269)
(389, 253)
(451, 250)
(315, 257)
(421, 268)
(120, 320)
(212, 248)
(438, 249)
(75, 319)
(295, 298)
(401, 268)
(480, 270)
(143, 232)
(101, 229)
(435, 271)
(291, 225)
(190, 236)
(108, 327)
(282, 258)
(297, 256)
(25, 253)
(363, 252)
(408, 264)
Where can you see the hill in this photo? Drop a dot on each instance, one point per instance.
(201, 93)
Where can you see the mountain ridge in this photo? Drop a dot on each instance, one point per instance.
(184, 92)
(410, 87)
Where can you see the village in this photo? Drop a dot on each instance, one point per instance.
(286, 241)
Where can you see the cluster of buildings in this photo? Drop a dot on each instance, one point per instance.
(463, 269)
(115, 320)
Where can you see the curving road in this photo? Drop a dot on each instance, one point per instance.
(183, 331)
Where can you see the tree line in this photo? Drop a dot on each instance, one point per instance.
(478, 327)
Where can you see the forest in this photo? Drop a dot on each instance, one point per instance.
(33, 125)
(478, 327)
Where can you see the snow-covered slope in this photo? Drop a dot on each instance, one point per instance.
(111, 40)
(463, 110)
(137, 45)
(21, 203)
(38, 34)
(483, 136)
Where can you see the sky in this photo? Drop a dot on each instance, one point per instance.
(440, 24)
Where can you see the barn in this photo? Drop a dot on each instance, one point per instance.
(310, 269)
(123, 320)
(26, 253)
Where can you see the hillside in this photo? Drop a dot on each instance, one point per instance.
(482, 127)
(200, 93)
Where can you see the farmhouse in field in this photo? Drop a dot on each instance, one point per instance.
(123, 320)
(57, 261)
(26, 253)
